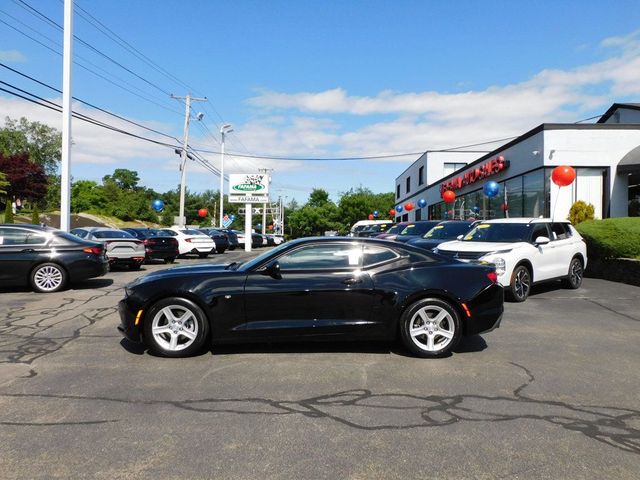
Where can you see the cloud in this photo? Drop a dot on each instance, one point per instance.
(12, 56)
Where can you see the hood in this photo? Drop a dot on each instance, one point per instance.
(425, 242)
(460, 246)
(202, 269)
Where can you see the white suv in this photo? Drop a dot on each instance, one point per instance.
(524, 251)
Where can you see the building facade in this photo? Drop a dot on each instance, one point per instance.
(605, 156)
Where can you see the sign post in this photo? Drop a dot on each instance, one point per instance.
(248, 189)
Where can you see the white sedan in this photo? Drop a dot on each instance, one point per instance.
(192, 241)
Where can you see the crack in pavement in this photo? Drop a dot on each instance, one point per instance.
(363, 409)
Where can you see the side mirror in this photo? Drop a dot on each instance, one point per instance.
(273, 270)
(542, 241)
(459, 237)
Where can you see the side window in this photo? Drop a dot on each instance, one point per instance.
(540, 230)
(322, 257)
(35, 238)
(559, 231)
(79, 233)
(13, 236)
(373, 255)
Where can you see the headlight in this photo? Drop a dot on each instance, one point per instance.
(500, 265)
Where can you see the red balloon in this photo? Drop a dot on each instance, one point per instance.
(270, 227)
(504, 207)
(392, 212)
(371, 216)
(408, 206)
(202, 212)
(563, 175)
(449, 196)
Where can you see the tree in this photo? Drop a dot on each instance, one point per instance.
(8, 212)
(40, 142)
(3, 183)
(318, 198)
(26, 179)
(87, 195)
(35, 215)
(123, 178)
(358, 204)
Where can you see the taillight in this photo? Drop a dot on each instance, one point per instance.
(188, 240)
(493, 276)
(147, 242)
(94, 250)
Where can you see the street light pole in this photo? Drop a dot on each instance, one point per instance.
(224, 129)
(65, 172)
(185, 146)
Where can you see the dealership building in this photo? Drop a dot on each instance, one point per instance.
(605, 156)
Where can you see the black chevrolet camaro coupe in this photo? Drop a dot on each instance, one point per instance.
(316, 288)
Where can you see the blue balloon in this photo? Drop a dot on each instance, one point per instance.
(422, 203)
(375, 214)
(259, 225)
(157, 205)
(476, 209)
(232, 216)
(399, 208)
(491, 189)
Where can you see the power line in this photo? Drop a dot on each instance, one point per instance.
(89, 104)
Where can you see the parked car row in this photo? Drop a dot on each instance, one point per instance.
(525, 251)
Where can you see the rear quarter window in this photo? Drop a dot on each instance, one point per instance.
(374, 255)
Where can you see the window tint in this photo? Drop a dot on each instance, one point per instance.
(112, 234)
(170, 233)
(559, 231)
(79, 233)
(35, 238)
(188, 231)
(539, 230)
(12, 236)
(373, 255)
(327, 257)
(501, 232)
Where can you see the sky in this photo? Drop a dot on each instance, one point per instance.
(311, 80)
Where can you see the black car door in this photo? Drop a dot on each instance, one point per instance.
(20, 249)
(320, 290)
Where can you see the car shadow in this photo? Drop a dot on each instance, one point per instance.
(540, 289)
(92, 284)
(471, 344)
(305, 347)
(132, 347)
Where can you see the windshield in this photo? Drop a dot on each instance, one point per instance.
(417, 228)
(447, 230)
(261, 258)
(396, 228)
(187, 231)
(499, 232)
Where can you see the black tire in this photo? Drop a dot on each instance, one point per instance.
(195, 323)
(575, 274)
(135, 266)
(203, 255)
(221, 250)
(48, 278)
(520, 285)
(170, 260)
(433, 342)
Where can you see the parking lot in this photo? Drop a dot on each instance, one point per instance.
(553, 393)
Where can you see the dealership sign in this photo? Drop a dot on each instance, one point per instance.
(488, 169)
(248, 184)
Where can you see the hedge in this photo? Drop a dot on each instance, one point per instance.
(612, 237)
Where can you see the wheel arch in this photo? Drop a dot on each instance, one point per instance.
(177, 294)
(62, 266)
(527, 263)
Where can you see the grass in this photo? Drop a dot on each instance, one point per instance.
(612, 237)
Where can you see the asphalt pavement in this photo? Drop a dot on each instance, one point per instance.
(554, 393)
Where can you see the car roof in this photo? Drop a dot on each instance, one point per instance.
(522, 220)
(30, 226)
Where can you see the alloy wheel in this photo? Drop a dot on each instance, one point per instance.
(522, 283)
(48, 278)
(432, 328)
(174, 327)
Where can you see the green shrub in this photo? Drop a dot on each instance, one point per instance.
(35, 215)
(580, 211)
(8, 213)
(612, 237)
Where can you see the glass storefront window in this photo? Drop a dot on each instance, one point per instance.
(514, 197)
(534, 193)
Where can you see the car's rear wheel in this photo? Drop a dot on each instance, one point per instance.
(175, 327)
(221, 250)
(575, 275)
(48, 277)
(520, 285)
(430, 328)
(170, 260)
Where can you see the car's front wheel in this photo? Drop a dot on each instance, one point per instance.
(575, 275)
(175, 327)
(430, 328)
(520, 285)
(203, 255)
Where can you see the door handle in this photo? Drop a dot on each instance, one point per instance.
(351, 281)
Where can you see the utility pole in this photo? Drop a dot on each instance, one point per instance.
(224, 129)
(185, 146)
(266, 171)
(65, 171)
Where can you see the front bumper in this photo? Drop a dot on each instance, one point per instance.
(127, 326)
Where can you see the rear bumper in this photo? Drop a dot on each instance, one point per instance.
(162, 254)
(486, 310)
